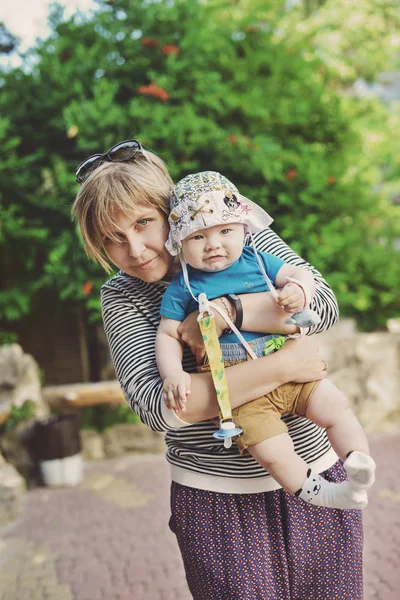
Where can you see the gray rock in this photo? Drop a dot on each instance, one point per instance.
(92, 445)
(15, 448)
(366, 368)
(12, 487)
(19, 380)
(132, 437)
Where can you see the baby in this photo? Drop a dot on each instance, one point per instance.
(208, 222)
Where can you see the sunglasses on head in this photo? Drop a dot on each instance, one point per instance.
(121, 152)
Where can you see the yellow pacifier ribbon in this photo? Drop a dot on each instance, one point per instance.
(227, 429)
(211, 342)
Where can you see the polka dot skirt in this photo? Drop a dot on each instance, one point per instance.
(268, 546)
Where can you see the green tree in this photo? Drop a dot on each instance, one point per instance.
(232, 86)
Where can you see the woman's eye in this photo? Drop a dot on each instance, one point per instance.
(143, 222)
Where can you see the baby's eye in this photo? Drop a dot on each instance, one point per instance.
(225, 231)
(197, 237)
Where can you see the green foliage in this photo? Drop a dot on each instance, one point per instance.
(104, 416)
(248, 88)
(8, 337)
(19, 414)
(355, 38)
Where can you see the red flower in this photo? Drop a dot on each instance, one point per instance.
(291, 174)
(154, 90)
(332, 180)
(170, 49)
(232, 139)
(149, 43)
(64, 55)
(87, 288)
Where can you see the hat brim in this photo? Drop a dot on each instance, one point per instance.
(243, 211)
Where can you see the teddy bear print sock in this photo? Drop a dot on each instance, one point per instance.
(318, 491)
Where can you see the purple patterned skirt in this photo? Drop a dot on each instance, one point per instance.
(268, 546)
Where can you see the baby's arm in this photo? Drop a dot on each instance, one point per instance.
(169, 352)
(297, 294)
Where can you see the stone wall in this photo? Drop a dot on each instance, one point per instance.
(366, 367)
(12, 486)
(19, 380)
(121, 439)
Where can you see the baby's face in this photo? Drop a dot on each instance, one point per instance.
(215, 248)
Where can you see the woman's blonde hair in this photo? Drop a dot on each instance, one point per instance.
(114, 189)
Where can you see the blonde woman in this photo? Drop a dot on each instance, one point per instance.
(241, 536)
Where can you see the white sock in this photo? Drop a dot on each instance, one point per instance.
(360, 469)
(320, 492)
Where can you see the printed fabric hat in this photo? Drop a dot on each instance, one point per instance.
(206, 199)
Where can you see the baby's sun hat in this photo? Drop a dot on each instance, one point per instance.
(206, 199)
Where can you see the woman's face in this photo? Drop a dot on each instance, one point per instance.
(141, 250)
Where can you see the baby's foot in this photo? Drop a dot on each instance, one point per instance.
(320, 492)
(360, 469)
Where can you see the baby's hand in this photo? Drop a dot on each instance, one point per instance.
(176, 387)
(291, 298)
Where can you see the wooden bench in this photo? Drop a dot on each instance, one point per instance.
(83, 394)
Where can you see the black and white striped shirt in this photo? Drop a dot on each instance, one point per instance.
(131, 318)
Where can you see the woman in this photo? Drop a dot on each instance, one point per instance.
(241, 537)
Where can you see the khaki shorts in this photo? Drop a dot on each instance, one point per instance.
(260, 419)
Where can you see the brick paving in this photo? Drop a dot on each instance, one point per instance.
(109, 538)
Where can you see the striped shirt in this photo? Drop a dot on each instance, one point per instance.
(131, 317)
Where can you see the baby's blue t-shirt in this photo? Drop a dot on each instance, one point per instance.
(243, 277)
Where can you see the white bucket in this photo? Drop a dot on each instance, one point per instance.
(72, 469)
(62, 471)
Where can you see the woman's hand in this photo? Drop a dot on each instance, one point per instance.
(302, 357)
(190, 333)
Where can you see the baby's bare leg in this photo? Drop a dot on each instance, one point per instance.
(329, 408)
(277, 456)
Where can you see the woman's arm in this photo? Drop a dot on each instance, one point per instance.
(169, 355)
(298, 360)
(131, 328)
(260, 313)
(324, 301)
(169, 351)
(130, 323)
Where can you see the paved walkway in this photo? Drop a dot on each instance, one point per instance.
(109, 539)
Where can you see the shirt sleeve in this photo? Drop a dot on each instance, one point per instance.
(324, 301)
(174, 304)
(131, 332)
